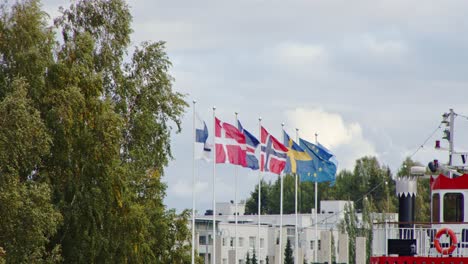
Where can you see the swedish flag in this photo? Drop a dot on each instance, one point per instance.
(324, 163)
(299, 161)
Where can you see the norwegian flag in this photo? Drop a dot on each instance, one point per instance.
(273, 155)
(230, 144)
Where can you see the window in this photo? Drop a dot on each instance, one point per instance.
(262, 262)
(453, 207)
(291, 232)
(241, 241)
(319, 245)
(224, 241)
(262, 242)
(435, 207)
(202, 240)
(224, 261)
(252, 242)
(312, 245)
(232, 241)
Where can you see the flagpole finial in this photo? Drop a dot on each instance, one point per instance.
(297, 129)
(236, 113)
(194, 101)
(214, 108)
(260, 118)
(282, 124)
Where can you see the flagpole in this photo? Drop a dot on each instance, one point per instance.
(316, 209)
(213, 255)
(281, 209)
(296, 243)
(193, 186)
(235, 202)
(259, 212)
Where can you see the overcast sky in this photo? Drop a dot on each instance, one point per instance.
(370, 77)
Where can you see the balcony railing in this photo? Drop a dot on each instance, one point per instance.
(419, 236)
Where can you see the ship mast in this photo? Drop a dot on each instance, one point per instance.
(450, 137)
(449, 121)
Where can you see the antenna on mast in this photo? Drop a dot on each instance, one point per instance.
(448, 119)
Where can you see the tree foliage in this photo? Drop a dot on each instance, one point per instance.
(288, 253)
(85, 139)
(28, 219)
(254, 257)
(368, 178)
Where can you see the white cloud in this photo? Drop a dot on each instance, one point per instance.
(300, 54)
(346, 140)
(384, 47)
(183, 188)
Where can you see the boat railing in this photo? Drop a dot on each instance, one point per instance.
(418, 237)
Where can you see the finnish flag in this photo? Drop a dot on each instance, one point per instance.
(202, 148)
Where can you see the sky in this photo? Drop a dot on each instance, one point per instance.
(369, 77)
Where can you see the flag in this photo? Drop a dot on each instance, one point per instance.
(252, 144)
(230, 144)
(273, 153)
(299, 161)
(326, 154)
(324, 170)
(202, 148)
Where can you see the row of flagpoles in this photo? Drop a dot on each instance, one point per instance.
(237, 146)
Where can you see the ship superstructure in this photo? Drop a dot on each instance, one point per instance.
(445, 238)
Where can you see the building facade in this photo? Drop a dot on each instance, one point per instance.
(329, 240)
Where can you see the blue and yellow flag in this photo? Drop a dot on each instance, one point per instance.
(299, 161)
(324, 163)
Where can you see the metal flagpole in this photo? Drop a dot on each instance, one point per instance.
(281, 211)
(259, 212)
(193, 186)
(316, 209)
(213, 255)
(235, 202)
(296, 243)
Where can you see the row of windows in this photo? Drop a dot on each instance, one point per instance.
(252, 242)
(241, 261)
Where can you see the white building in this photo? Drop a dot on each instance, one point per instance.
(332, 212)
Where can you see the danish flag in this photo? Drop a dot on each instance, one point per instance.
(273, 155)
(230, 144)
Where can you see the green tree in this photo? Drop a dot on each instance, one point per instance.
(251, 205)
(307, 196)
(288, 253)
(368, 178)
(28, 219)
(349, 226)
(106, 142)
(332, 246)
(367, 226)
(247, 259)
(267, 261)
(288, 196)
(254, 257)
